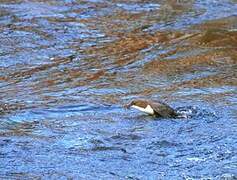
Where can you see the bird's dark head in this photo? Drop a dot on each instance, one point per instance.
(138, 103)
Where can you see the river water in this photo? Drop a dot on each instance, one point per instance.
(67, 67)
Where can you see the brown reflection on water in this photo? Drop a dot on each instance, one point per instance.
(127, 49)
(28, 72)
(214, 59)
(20, 129)
(209, 47)
(212, 51)
(10, 107)
(206, 48)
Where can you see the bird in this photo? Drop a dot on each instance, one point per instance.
(154, 108)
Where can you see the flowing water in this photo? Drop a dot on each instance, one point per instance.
(67, 67)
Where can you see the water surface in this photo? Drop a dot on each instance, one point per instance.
(68, 67)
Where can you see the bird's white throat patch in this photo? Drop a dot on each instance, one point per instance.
(147, 110)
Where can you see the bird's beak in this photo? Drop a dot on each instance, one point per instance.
(127, 106)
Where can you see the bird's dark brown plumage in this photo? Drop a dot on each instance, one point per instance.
(160, 109)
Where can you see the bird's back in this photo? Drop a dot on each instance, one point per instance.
(163, 110)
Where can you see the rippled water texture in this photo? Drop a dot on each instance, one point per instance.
(68, 67)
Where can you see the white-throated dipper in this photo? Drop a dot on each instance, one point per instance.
(156, 108)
